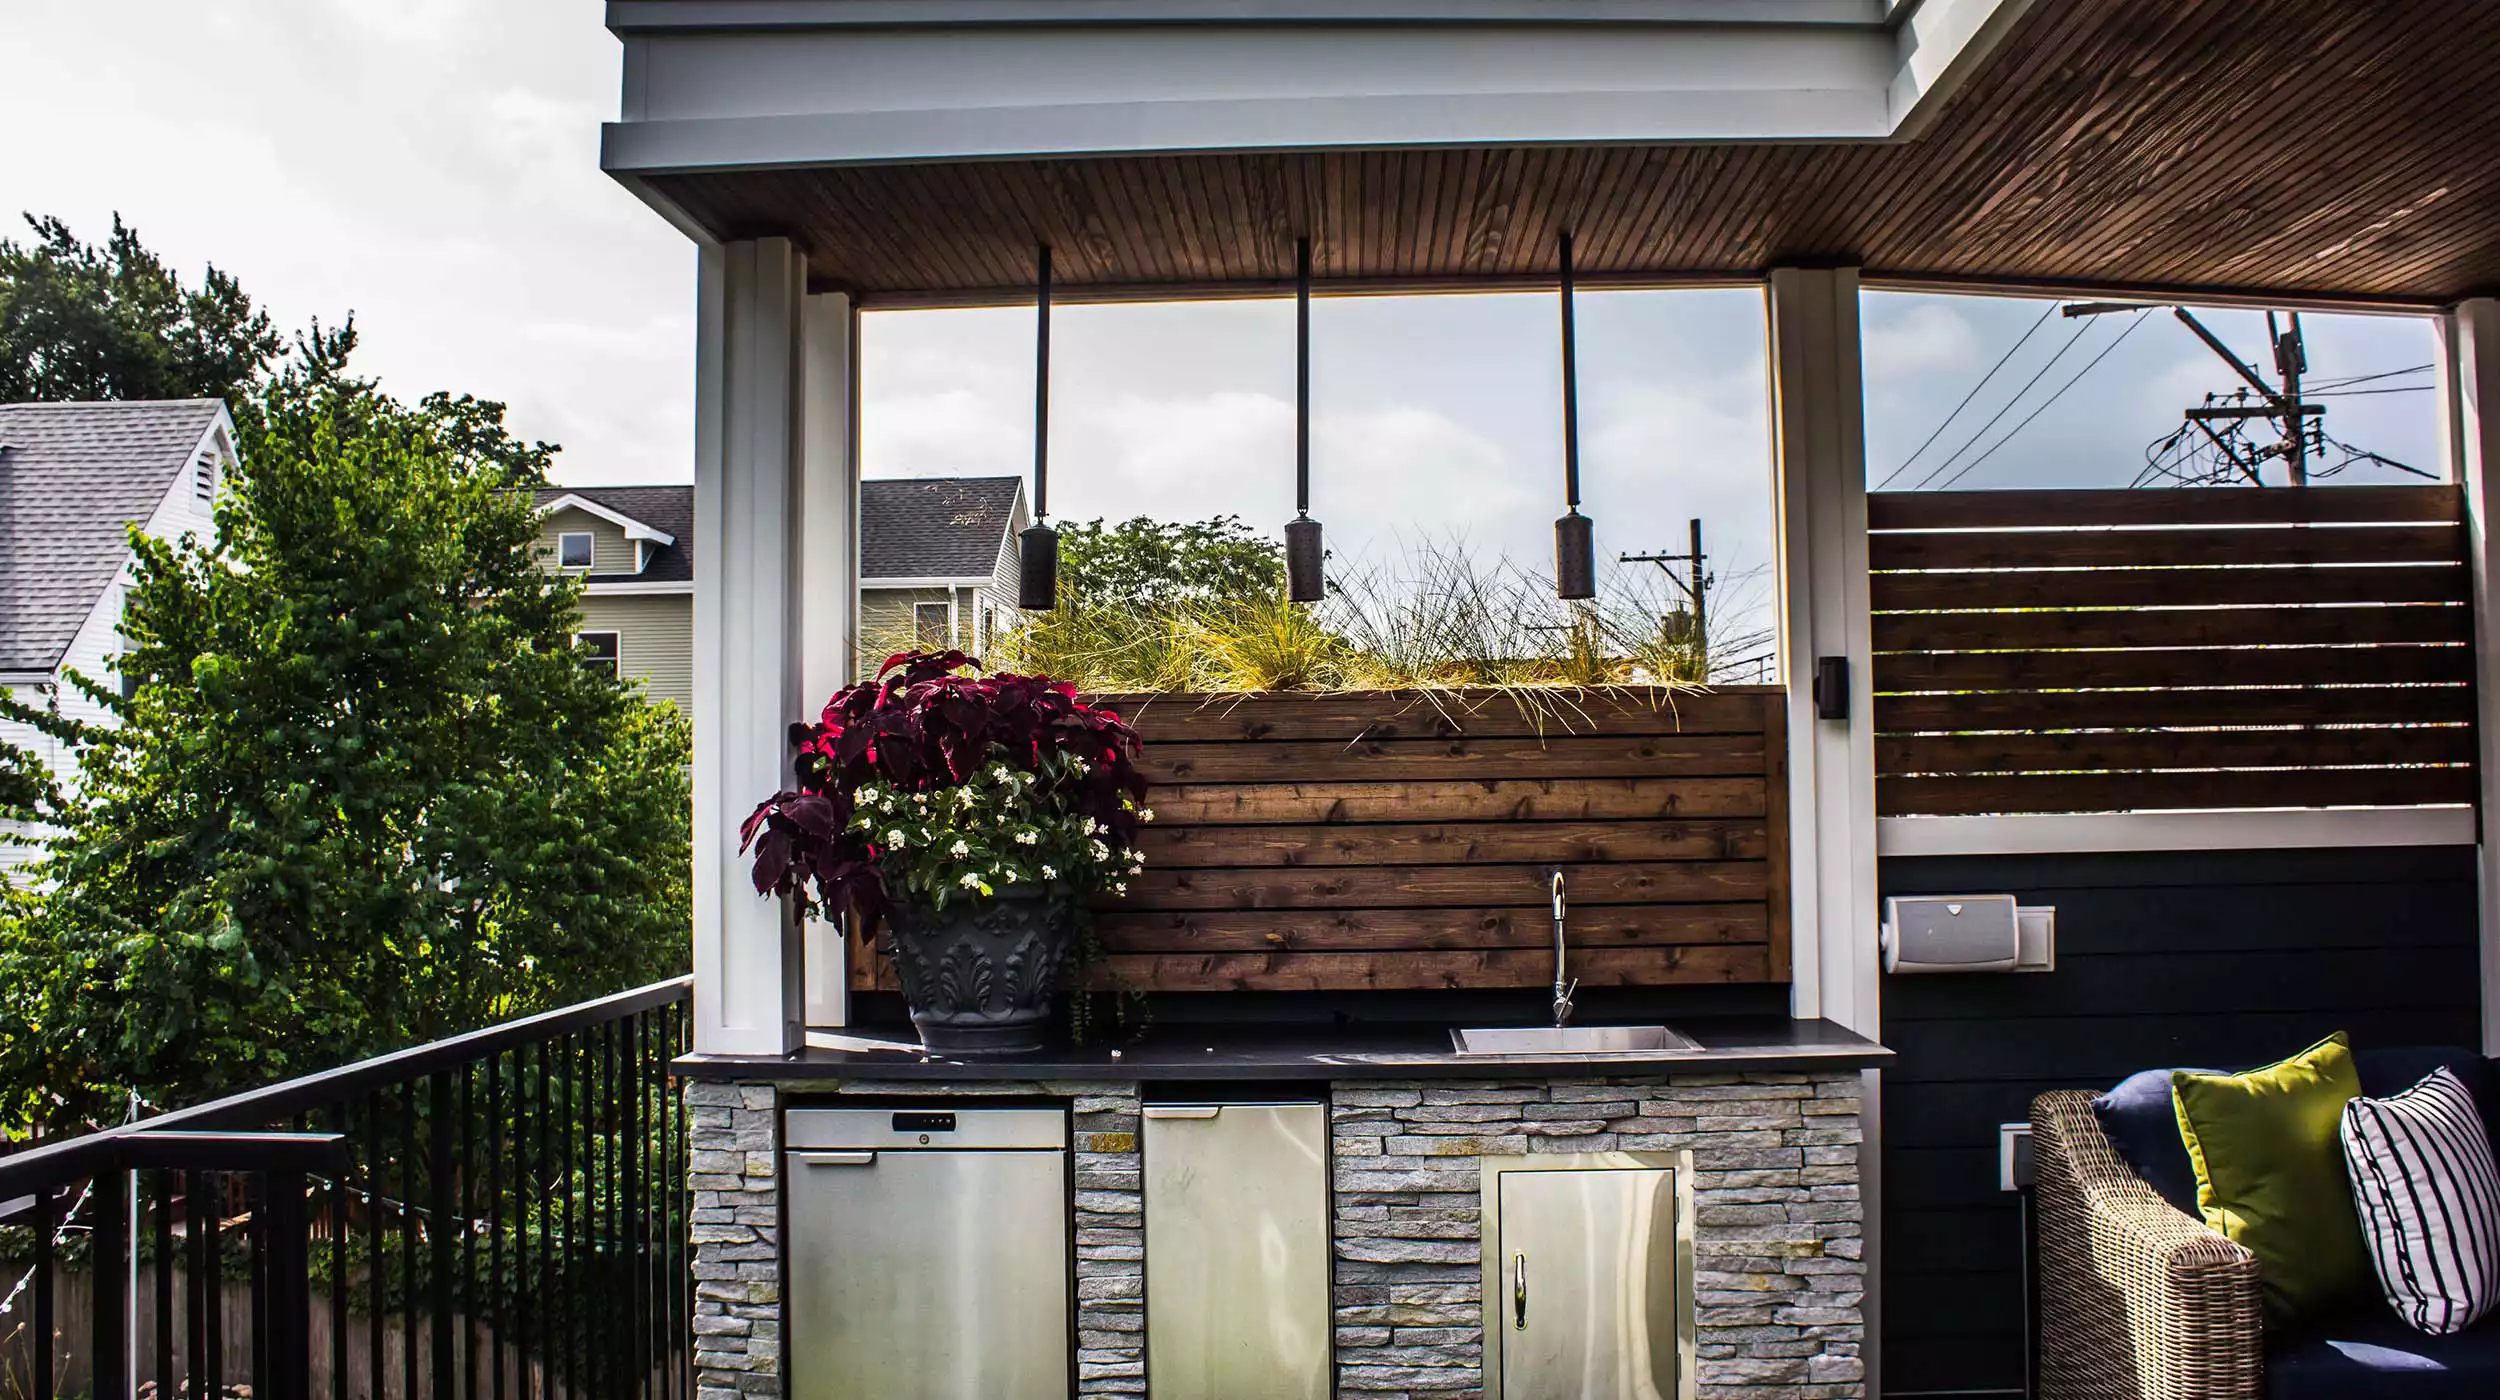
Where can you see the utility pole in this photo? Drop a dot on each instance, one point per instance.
(1696, 588)
(2291, 360)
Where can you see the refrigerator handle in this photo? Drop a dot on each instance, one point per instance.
(834, 1159)
(1183, 1110)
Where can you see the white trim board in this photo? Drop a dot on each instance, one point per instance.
(592, 588)
(930, 581)
(634, 529)
(2173, 831)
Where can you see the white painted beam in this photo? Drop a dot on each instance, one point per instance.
(2470, 369)
(749, 618)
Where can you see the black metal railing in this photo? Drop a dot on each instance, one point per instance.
(498, 1216)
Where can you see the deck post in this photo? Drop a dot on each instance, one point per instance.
(828, 565)
(749, 615)
(2470, 367)
(1818, 434)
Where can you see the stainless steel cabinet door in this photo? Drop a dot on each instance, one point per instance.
(1586, 1307)
(1237, 1251)
(928, 1276)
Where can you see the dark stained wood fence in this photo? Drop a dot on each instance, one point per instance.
(2095, 651)
(1382, 841)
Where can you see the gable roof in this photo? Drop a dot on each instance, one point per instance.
(661, 511)
(74, 477)
(936, 527)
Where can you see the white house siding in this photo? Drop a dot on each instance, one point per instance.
(610, 551)
(654, 640)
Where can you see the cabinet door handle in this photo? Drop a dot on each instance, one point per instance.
(835, 1159)
(1519, 1292)
(1169, 1110)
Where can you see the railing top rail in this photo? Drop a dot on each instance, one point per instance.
(128, 1147)
(255, 1107)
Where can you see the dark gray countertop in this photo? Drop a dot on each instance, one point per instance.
(1217, 1052)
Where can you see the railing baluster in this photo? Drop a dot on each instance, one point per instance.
(681, 1216)
(438, 1231)
(640, 1209)
(41, 1342)
(408, 1240)
(571, 1271)
(213, 1281)
(530, 1204)
(195, 1292)
(604, 1233)
(495, 1220)
(547, 1311)
(163, 1280)
(337, 1196)
(468, 1228)
(256, 1243)
(377, 1298)
(108, 1256)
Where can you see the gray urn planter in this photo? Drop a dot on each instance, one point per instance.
(980, 975)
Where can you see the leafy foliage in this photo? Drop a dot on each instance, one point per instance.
(930, 785)
(361, 793)
(79, 321)
(1157, 564)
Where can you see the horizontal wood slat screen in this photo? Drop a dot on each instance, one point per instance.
(1390, 841)
(2167, 650)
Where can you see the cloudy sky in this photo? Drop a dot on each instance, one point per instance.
(430, 165)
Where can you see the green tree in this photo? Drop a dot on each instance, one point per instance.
(361, 792)
(113, 322)
(1156, 564)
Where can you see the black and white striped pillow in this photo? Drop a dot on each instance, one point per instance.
(2429, 1196)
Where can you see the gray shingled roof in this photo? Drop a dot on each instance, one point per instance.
(667, 509)
(73, 478)
(935, 527)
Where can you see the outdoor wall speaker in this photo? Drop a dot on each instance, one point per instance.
(1951, 933)
(1037, 570)
(1575, 557)
(1306, 580)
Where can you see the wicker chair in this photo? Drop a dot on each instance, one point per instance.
(2138, 1300)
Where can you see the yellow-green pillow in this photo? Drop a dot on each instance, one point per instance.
(2270, 1173)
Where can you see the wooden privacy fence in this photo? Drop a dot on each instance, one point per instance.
(2099, 651)
(1386, 841)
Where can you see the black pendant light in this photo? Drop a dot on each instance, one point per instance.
(1305, 580)
(1575, 547)
(1037, 578)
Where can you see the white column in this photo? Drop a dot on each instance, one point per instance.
(1818, 432)
(828, 563)
(748, 618)
(2471, 371)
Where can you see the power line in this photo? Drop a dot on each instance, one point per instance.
(1966, 398)
(1947, 464)
(2366, 378)
(2044, 406)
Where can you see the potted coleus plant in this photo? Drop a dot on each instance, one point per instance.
(970, 815)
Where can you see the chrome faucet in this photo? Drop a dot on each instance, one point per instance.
(1562, 988)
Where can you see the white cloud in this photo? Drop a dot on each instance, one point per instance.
(1908, 341)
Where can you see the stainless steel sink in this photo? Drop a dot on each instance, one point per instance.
(1568, 1040)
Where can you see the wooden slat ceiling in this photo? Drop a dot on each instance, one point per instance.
(2305, 147)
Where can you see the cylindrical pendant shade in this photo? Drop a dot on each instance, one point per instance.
(1305, 579)
(1037, 572)
(1575, 557)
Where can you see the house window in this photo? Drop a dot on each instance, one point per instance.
(930, 622)
(598, 651)
(573, 549)
(989, 627)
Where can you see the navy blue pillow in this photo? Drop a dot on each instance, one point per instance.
(2143, 1123)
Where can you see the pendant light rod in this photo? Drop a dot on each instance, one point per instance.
(1571, 386)
(1041, 393)
(1302, 377)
